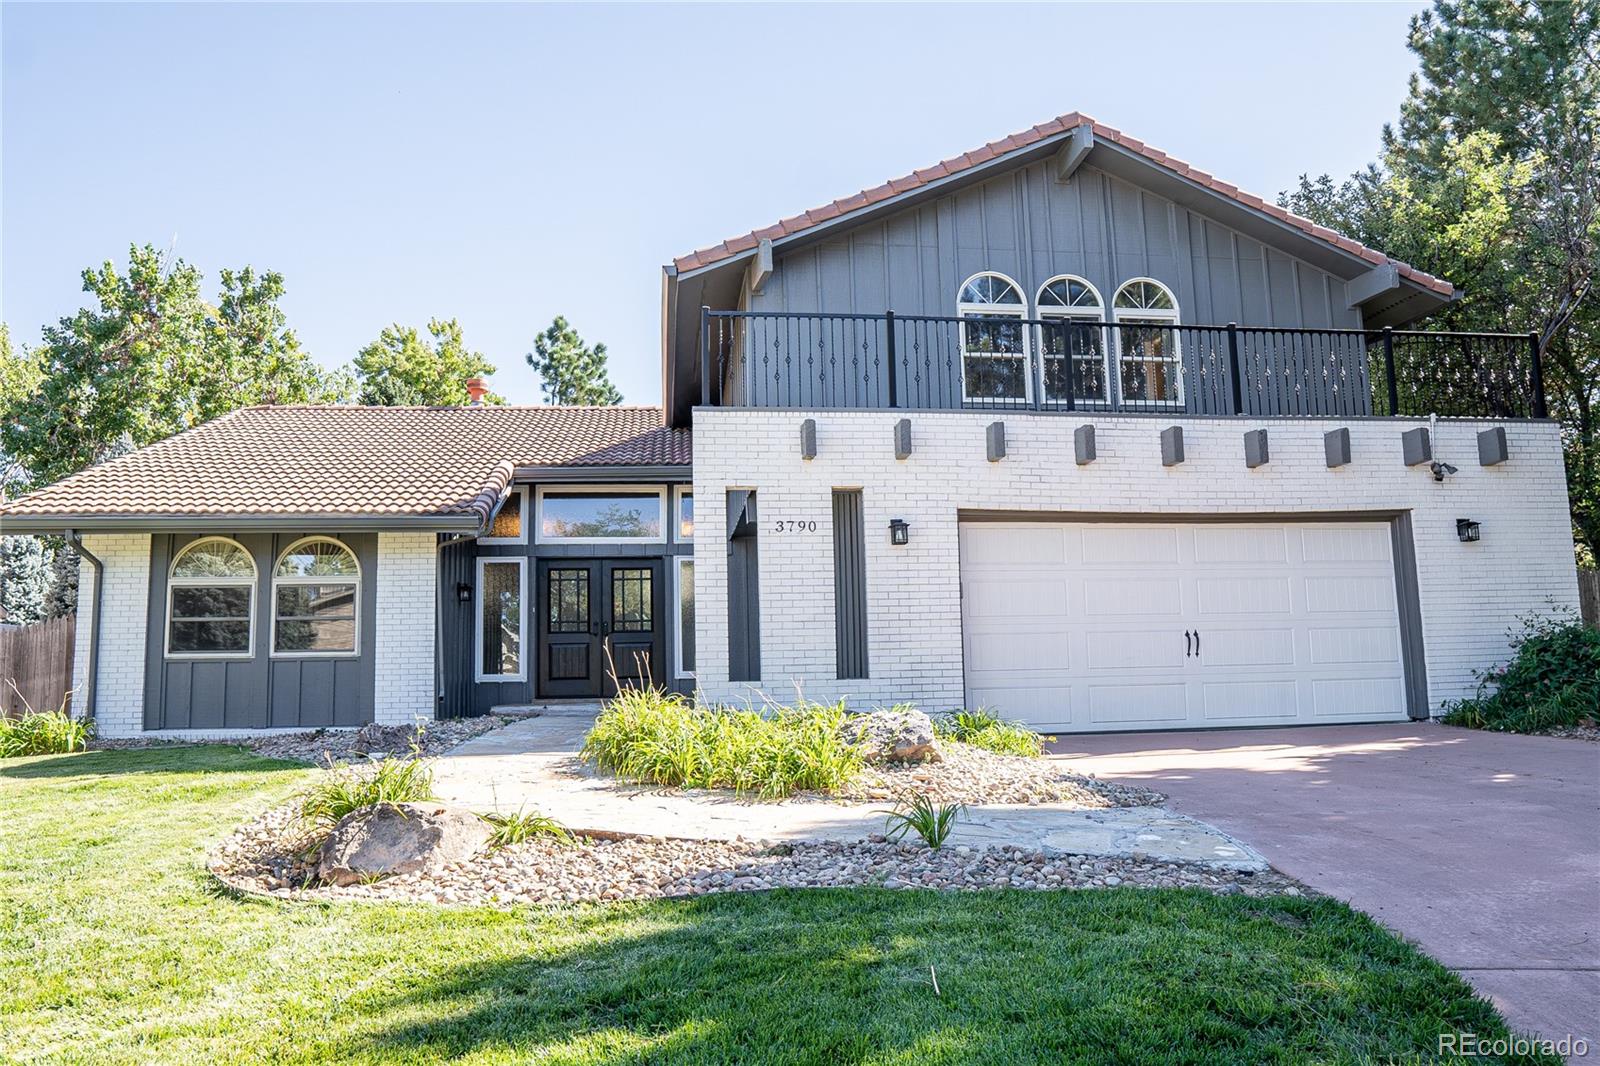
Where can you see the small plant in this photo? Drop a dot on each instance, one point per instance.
(984, 729)
(42, 732)
(917, 813)
(1551, 682)
(346, 789)
(523, 826)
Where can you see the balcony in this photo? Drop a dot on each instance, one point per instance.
(1062, 364)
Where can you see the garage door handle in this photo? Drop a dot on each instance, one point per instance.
(1188, 648)
(1197, 644)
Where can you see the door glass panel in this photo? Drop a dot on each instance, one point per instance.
(500, 594)
(569, 600)
(631, 599)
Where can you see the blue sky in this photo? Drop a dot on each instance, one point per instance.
(504, 164)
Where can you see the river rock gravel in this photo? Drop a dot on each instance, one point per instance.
(324, 746)
(973, 775)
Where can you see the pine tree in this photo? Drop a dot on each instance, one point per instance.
(26, 577)
(570, 371)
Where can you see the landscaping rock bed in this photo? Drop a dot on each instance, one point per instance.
(974, 776)
(269, 856)
(321, 746)
(1578, 732)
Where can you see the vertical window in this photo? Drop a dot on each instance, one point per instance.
(849, 584)
(501, 620)
(315, 589)
(1072, 341)
(211, 591)
(685, 641)
(994, 340)
(1149, 365)
(685, 515)
(510, 523)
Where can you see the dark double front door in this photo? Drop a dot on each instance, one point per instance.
(599, 625)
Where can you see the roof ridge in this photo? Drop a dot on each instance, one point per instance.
(805, 220)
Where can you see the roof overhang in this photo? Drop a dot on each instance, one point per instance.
(207, 523)
(603, 474)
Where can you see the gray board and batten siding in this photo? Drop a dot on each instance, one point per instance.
(259, 691)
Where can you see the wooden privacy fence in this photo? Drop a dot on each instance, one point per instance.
(1589, 595)
(38, 659)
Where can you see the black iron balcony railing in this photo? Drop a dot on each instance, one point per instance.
(1002, 362)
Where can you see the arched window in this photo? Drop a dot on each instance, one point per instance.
(994, 340)
(1072, 340)
(211, 597)
(1149, 364)
(316, 591)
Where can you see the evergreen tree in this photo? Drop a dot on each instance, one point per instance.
(571, 372)
(26, 576)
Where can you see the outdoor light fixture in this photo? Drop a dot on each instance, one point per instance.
(1441, 470)
(1468, 530)
(463, 592)
(899, 532)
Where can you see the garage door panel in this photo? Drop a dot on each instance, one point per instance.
(1347, 593)
(1345, 544)
(1126, 649)
(1131, 705)
(1357, 698)
(1367, 644)
(1243, 595)
(1247, 647)
(1123, 545)
(1240, 544)
(1111, 597)
(1248, 699)
(1039, 545)
(1008, 651)
(1043, 706)
(1036, 597)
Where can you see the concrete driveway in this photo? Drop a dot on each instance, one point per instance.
(1482, 848)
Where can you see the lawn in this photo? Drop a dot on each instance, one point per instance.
(116, 946)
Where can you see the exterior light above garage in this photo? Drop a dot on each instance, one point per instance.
(1468, 530)
(899, 532)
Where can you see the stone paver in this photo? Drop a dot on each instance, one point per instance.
(533, 765)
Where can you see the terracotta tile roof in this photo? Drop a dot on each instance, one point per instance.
(366, 461)
(790, 226)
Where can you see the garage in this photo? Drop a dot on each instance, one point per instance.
(1092, 626)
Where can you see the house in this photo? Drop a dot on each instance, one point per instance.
(1062, 426)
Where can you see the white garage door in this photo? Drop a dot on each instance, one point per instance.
(1096, 626)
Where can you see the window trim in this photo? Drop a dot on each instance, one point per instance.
(1095, 315)
(173, 581)
(1154, 316)
(659, 491)
(357, 582)
(966, 310)
(679, 494)
(517, 490)
(678, 672)
(521, 563)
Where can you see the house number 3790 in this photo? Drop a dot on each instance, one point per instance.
(792, 525)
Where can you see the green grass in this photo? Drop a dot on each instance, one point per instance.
(984, 729)
(116, 947)
(660, 738)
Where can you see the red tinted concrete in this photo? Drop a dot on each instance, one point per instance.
(1482, 848)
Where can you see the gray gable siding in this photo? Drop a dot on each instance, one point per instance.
(1030, 227)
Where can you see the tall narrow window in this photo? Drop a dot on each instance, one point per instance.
(685, 498)
(685, 641)
(849, 584)
(1149, 364)
(501, 620)
(1072, 341)
(994, 340)
(211, 595)
(315, 589)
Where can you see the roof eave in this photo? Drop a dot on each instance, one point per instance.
(151, 523)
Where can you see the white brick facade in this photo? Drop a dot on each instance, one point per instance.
(404, 687)
(1470, 593)
(119, 694)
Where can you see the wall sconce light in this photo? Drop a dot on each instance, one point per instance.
(463, 592)
(1468, 530)
(899, 532)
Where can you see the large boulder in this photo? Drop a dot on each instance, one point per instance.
(373, 738)
(899, 734)
(399, 838)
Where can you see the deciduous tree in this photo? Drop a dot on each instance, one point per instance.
(403, 367)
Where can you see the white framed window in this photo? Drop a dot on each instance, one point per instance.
(683, 514)
(211, 601)
(510, 522)
(502, 618)
(1072, 341)
(994, 344)
(316, 600)
(602, 514)
(1149, 363)
(683, 596)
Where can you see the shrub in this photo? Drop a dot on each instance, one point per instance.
(1552, 681)
(345, 789)
(523, 826)
(917, 813)
(984, 729)
(43, 733)
(660, 738)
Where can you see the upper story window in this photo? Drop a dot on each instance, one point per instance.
(1072, 340)
(510, 523)
(994, 342)
(1149, 363)
(603, 513)
(211, 600)
(316, 588)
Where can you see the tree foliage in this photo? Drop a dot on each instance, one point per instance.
(1491, 178)
(570, 371)
(402, 367)
(150, 357)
